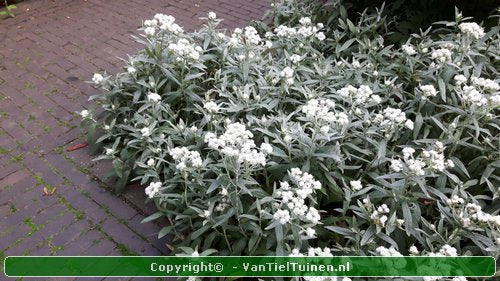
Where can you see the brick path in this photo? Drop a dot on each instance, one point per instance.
(46, 53)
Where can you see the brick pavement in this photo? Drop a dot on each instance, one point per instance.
(47, 52)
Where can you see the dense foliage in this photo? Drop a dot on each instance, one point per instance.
(289, 141)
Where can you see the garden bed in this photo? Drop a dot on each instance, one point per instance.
(310, 138)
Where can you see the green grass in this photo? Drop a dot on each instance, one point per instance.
(33, 226)
(125, 251)
(13, 209)
(17, 159)
(28, 85)
(4, 151)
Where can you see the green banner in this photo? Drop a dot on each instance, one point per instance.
(249, 266)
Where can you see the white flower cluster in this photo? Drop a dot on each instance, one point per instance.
(322, 111)
(153, 97)
(445, 251)
(237, 142)
(186, 158)
(145, 132)
(97, 78)
(295, 58)
(487, 85)
(477, 93)
(305, 30)
(313, 252)
(471, 213)
(287, 74)
(379, 215)
(84, 113)
(360, 95)
(441, 55)
(162, 22)
(408, 49)
(212, 16)
(185, 51)
(460, 79)
(356, 185)
(390, 118)
(471, 95)
(248, 36)
(293, 198)
(211, 107)
(251, 35)
(428, 91)
(153, 189)
(431, 159)
(471, 29)
(434, 157)
(388, 252)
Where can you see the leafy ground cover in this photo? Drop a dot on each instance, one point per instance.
(310, 138)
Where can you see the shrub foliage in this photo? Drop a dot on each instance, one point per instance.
(288, 141)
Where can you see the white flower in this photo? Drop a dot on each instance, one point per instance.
(283, 216)
(268, 44)
(206, 214)
(356, 185)
(251, 35)
(455, 200)
(408, 49)
(355, 63)
(106, 127)
(186, 158)
(441, 55)
(390, 118)
(360, 95)
(388, 252)
(409, 124)
(428, 90)
(396, 165)
(313, 215)
(486, 84)
(287, 73)
(310, 232)
(320, 36)
(151, 162)
(266, 148)
(449, 251)
(295, 58)
(150, 31)
(97, 78)
(154, 97)
(153, 189)
(460, 79)
(305, 21)
(110, 151)
(145, 132)
(472, 96)
(237, 142)
(185, 51)
(408, 152)
(471, 29)
(413, 251)
(131, 70)
(212, 16)
(84, 113)
(152, 22)
(211, 107)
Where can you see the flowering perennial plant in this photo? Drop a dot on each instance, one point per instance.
(306, 138)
